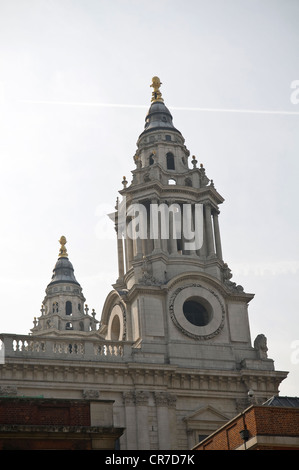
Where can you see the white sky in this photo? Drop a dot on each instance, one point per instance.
(63, 154)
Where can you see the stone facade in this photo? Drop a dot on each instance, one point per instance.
(173, 348)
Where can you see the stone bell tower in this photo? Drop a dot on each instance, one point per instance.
(63, 311)
(174, 296)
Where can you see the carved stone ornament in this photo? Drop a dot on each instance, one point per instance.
(227, 275)
(8, 390)
(165, 399)
(161, 398)
(91, 394)
(129, 398)
(147, 277)
(260, 345)
(216, 323)
(141, 398)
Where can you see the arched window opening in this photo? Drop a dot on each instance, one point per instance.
(170, 161)
(68, 307)
(55, 307)
(151, 160)
(171, 181)
(115, 328)
(69, 326)
(79, 307)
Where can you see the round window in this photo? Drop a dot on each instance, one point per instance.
(195, 312)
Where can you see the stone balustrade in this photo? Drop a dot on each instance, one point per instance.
(13, 346)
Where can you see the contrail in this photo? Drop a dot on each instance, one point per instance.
(175, 108)
(81, 103)
(224, 110)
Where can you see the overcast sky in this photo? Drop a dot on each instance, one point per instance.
(75, 81)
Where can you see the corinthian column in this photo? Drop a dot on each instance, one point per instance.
(161, 399)
(209, 230)
(120, 252)
(155, 229)
(130, 414)
(217, 234)
(129, 249)
(142, 420)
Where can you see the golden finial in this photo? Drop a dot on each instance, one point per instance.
(124, 182)
(62, 251)
(156, 95)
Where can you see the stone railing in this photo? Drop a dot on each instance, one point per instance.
(13, 346)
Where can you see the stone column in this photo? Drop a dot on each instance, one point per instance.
(157, 241)
(172, 420)
(173, 247)
(130, 416)
(129, 251)
(120, 252)
(161, 399)
(143, 442)
(137, 247)
(217, 234)
(194, 229)
(209, 229)
(149, 242)
(190, 438)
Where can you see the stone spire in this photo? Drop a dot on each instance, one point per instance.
(164, 177)
(63, 310)
(63, 270)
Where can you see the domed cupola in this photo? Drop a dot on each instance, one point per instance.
(63, 270)
(63, 311)
(160, 143)
(158, 116)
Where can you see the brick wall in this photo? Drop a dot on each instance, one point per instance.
(277, 421)
(259, 420)
(44, 412)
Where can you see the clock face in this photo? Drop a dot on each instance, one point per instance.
(197, 311)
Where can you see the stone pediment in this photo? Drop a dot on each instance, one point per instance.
(205, 414)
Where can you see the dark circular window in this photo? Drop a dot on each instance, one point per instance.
(196, 313)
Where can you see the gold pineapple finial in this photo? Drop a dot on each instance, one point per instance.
(156, 95)
(62, 251)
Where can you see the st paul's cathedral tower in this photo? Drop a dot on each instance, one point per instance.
(173, 348)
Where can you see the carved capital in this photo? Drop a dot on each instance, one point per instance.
(161, 398)
(165, 399)
(129, 398)
(171, 401)
(142, 398)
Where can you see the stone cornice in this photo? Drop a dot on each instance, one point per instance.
(146, 375)
(159, 190)
(185, 260)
